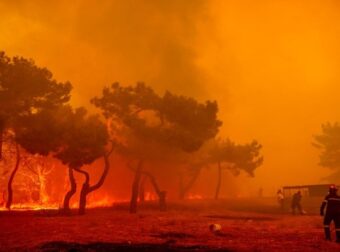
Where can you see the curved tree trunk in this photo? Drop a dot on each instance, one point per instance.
(71, 192)
(84, 191)
(135, 187)
(219, 180)
(83, 194)
(10, 181)
(104, 174)
(161, 194)
(142, 190)
(184, 189)
(86, 188)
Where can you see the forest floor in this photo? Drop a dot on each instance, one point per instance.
(247, 225)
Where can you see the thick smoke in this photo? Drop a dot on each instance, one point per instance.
(272, 65)
(126, 41)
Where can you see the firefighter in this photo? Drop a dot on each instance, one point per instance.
(332, 201)
(296, 202)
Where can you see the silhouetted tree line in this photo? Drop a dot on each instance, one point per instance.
(135, 122)
(329, 144)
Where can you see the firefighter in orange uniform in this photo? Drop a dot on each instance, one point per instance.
(332, 205)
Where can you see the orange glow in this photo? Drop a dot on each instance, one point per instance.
(149, 196)
(186, 121)
(271, 65)
(31, 206)
(192, 196)
(98, 202)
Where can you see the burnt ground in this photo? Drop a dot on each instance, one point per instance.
(246, 226)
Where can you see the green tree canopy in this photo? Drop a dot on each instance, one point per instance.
(72, 136)
(238, 157)
(172, 120)
(156, 126)
(26, 89)
(329, 144)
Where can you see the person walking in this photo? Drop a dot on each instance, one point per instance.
(296, 203)
(332, 205)
(280, 199)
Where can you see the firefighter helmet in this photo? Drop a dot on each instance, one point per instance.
(333, 189)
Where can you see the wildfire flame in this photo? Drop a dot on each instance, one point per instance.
(194, 196)
(102, 201)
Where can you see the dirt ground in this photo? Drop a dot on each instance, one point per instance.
(246, 226)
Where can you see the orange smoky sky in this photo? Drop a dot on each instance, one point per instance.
(273, 66)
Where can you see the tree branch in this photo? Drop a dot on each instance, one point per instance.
(104, 174)
(153, 181)
(86, 174)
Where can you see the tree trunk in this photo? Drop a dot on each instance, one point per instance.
(187, 187)
(84, 191)
(82, 200)
(219, 181)
(135, 187)
(43, 195)
(2, 129)
(86, 188)
(161, 194)
(71, 192)
(162, 201)
(10, 181)
(142, 190)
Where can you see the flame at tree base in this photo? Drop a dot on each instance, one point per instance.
(30, 206)
(93, 201)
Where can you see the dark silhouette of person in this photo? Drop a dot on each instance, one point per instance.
(280, 198)
(260, 193)
(332, 201)
(296, 202)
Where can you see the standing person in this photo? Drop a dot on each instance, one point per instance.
(332, 201)
(280, 198)
(296, 202)
(260, 194)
